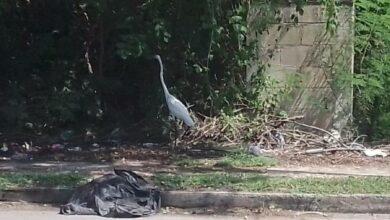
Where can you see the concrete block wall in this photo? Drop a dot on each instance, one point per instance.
(304, 50)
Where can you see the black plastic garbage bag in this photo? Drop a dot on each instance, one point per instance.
(123, 194)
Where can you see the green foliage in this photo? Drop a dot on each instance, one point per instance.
(265, 93)
(234, 159)
(331, 15)
(372, 67)
(85, 65)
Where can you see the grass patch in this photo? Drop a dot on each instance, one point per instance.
(237, 159)
(188, 162)
(18, 180)
(241, 159)
(258, 183)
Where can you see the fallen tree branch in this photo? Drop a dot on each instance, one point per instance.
(323, 150)
(269, 131)
(320, 129)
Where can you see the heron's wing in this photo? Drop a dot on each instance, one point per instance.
(177, 109)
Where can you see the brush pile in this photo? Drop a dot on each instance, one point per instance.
(274, 132)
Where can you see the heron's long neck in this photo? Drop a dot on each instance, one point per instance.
(166, 92)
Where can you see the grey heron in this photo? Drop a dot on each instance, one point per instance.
(176, 108)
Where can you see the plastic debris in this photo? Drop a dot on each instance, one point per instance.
(375, 152)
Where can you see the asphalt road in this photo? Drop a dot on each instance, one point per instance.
(28, 211)
(50, 215)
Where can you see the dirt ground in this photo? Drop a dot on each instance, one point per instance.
(163, 154)
(288, 159)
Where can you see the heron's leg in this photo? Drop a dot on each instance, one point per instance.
(174, 146)
(172, 119)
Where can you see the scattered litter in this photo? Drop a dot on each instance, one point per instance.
(256, 150)
(89, 136)
(4, 148)
(57, 147)
(74, 149)
(165, 211)
(374, 152)
(26, 146)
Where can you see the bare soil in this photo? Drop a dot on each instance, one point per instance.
(342, 158)
(164, 155)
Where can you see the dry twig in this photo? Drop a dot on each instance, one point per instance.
(262, 131)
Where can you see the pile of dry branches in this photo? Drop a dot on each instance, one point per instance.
(270, 132)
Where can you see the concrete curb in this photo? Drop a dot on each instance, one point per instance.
(187, 199)
(302, 202)
(328, 172)
(38, 195)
